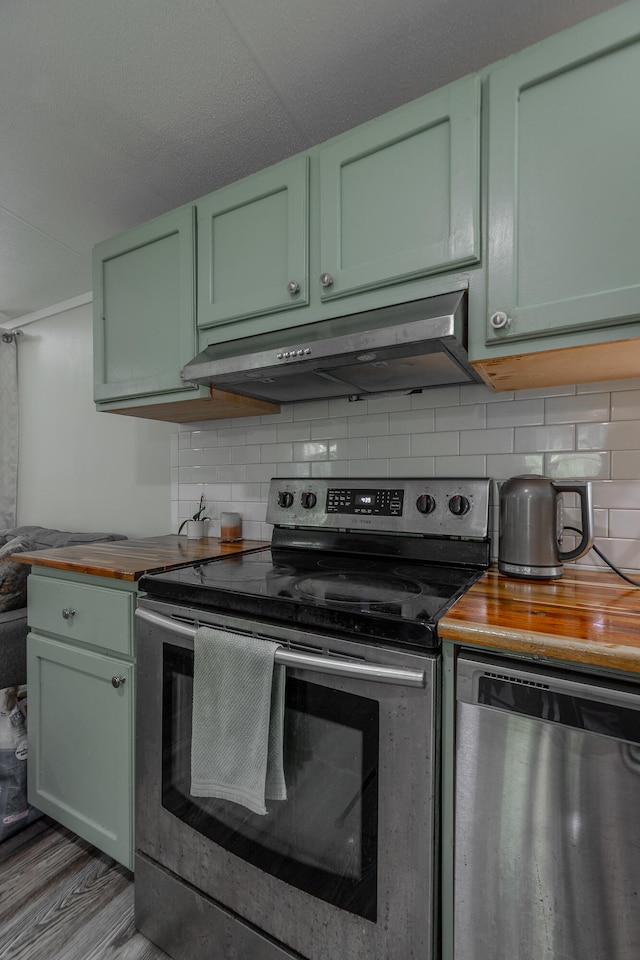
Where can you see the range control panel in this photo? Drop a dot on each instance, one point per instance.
(435, 507)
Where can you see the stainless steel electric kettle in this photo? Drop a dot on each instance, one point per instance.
(531, 524)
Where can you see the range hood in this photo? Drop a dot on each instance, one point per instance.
(402, 348)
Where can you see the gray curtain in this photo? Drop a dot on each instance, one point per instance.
(8, 427)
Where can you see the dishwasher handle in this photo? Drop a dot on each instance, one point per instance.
(381, 673)
(608, 708)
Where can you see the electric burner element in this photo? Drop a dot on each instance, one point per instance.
(356, 588)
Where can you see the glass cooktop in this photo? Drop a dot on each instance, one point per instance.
(389, 599)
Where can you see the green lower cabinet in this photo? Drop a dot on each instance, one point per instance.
(564, 187)
(81, 710)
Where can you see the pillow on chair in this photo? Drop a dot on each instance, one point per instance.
(13, 576)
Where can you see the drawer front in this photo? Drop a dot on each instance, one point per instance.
(86, 614)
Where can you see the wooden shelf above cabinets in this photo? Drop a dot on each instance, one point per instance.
(219, 405)
(592, 363)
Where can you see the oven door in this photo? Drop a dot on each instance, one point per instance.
(345, 866)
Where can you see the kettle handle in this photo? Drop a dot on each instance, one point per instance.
(583, 489)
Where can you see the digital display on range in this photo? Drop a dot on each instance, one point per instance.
(381, 503)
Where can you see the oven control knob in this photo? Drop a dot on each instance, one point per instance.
(459, 505)
(308, 500)
(426, 503)
(285, 499)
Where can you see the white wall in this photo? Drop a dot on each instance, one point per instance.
(590, 431)
(81, 470)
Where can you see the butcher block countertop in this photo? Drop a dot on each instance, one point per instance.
(588, 617)
(130, 559)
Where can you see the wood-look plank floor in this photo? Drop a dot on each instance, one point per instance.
(61, 899)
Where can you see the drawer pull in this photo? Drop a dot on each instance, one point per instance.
(68, 613)
(118, 681)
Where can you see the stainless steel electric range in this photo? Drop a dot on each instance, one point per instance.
(352, 587)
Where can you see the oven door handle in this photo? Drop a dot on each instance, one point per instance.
(402, 676)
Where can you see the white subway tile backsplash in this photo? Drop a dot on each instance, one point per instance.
(625, 464)
(211, 456)
(275, 452)
(577, 409)
(499, 440)
(589, 431)
(354, 448)
(311, 410)
(263, 433)
(188, 457)
(291, 470)
(369, 468)
(502, 466)
(330, 468)
(204, 438)
(385, 447)
(624, 524)
(232, 436)
(589, 465)
(411, 421)
(617, 494)
(296, 430)
(471, 417)
(461, 467)
(388, 404)
(516, 413)
(561, 437)
(438, 397)
(413, 467)
(436, 444)
(621, 435)
(246, 491)
(251, 453)
(481, 393)
(310, 450)
(232, 473)
(371, 425)
(625, 405)
(330, 429)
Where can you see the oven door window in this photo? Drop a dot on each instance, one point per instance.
(324, 838)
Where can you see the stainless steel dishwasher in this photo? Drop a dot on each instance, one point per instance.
(547, 814)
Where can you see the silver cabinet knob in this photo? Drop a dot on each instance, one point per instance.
(499, 320)
(326, 280)
(68, 613)
(118, 681)
(293, 287)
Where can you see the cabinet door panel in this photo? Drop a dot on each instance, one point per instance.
(400, 196)
(564, 181)
(144, 308)
(80, 743)
(252, 242)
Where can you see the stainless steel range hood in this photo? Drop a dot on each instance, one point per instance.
(401, 348)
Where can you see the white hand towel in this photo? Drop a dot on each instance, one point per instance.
(238, 719)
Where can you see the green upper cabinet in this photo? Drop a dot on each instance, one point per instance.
(400, 195)
(564, 185)
(253, 245)
(144, 308)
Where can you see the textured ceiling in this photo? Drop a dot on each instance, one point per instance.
(112, 111)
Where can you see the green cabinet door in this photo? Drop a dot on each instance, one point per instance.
(400, 195)
(80, 742)
(144, 308)
(253, 245)
(564, 183)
